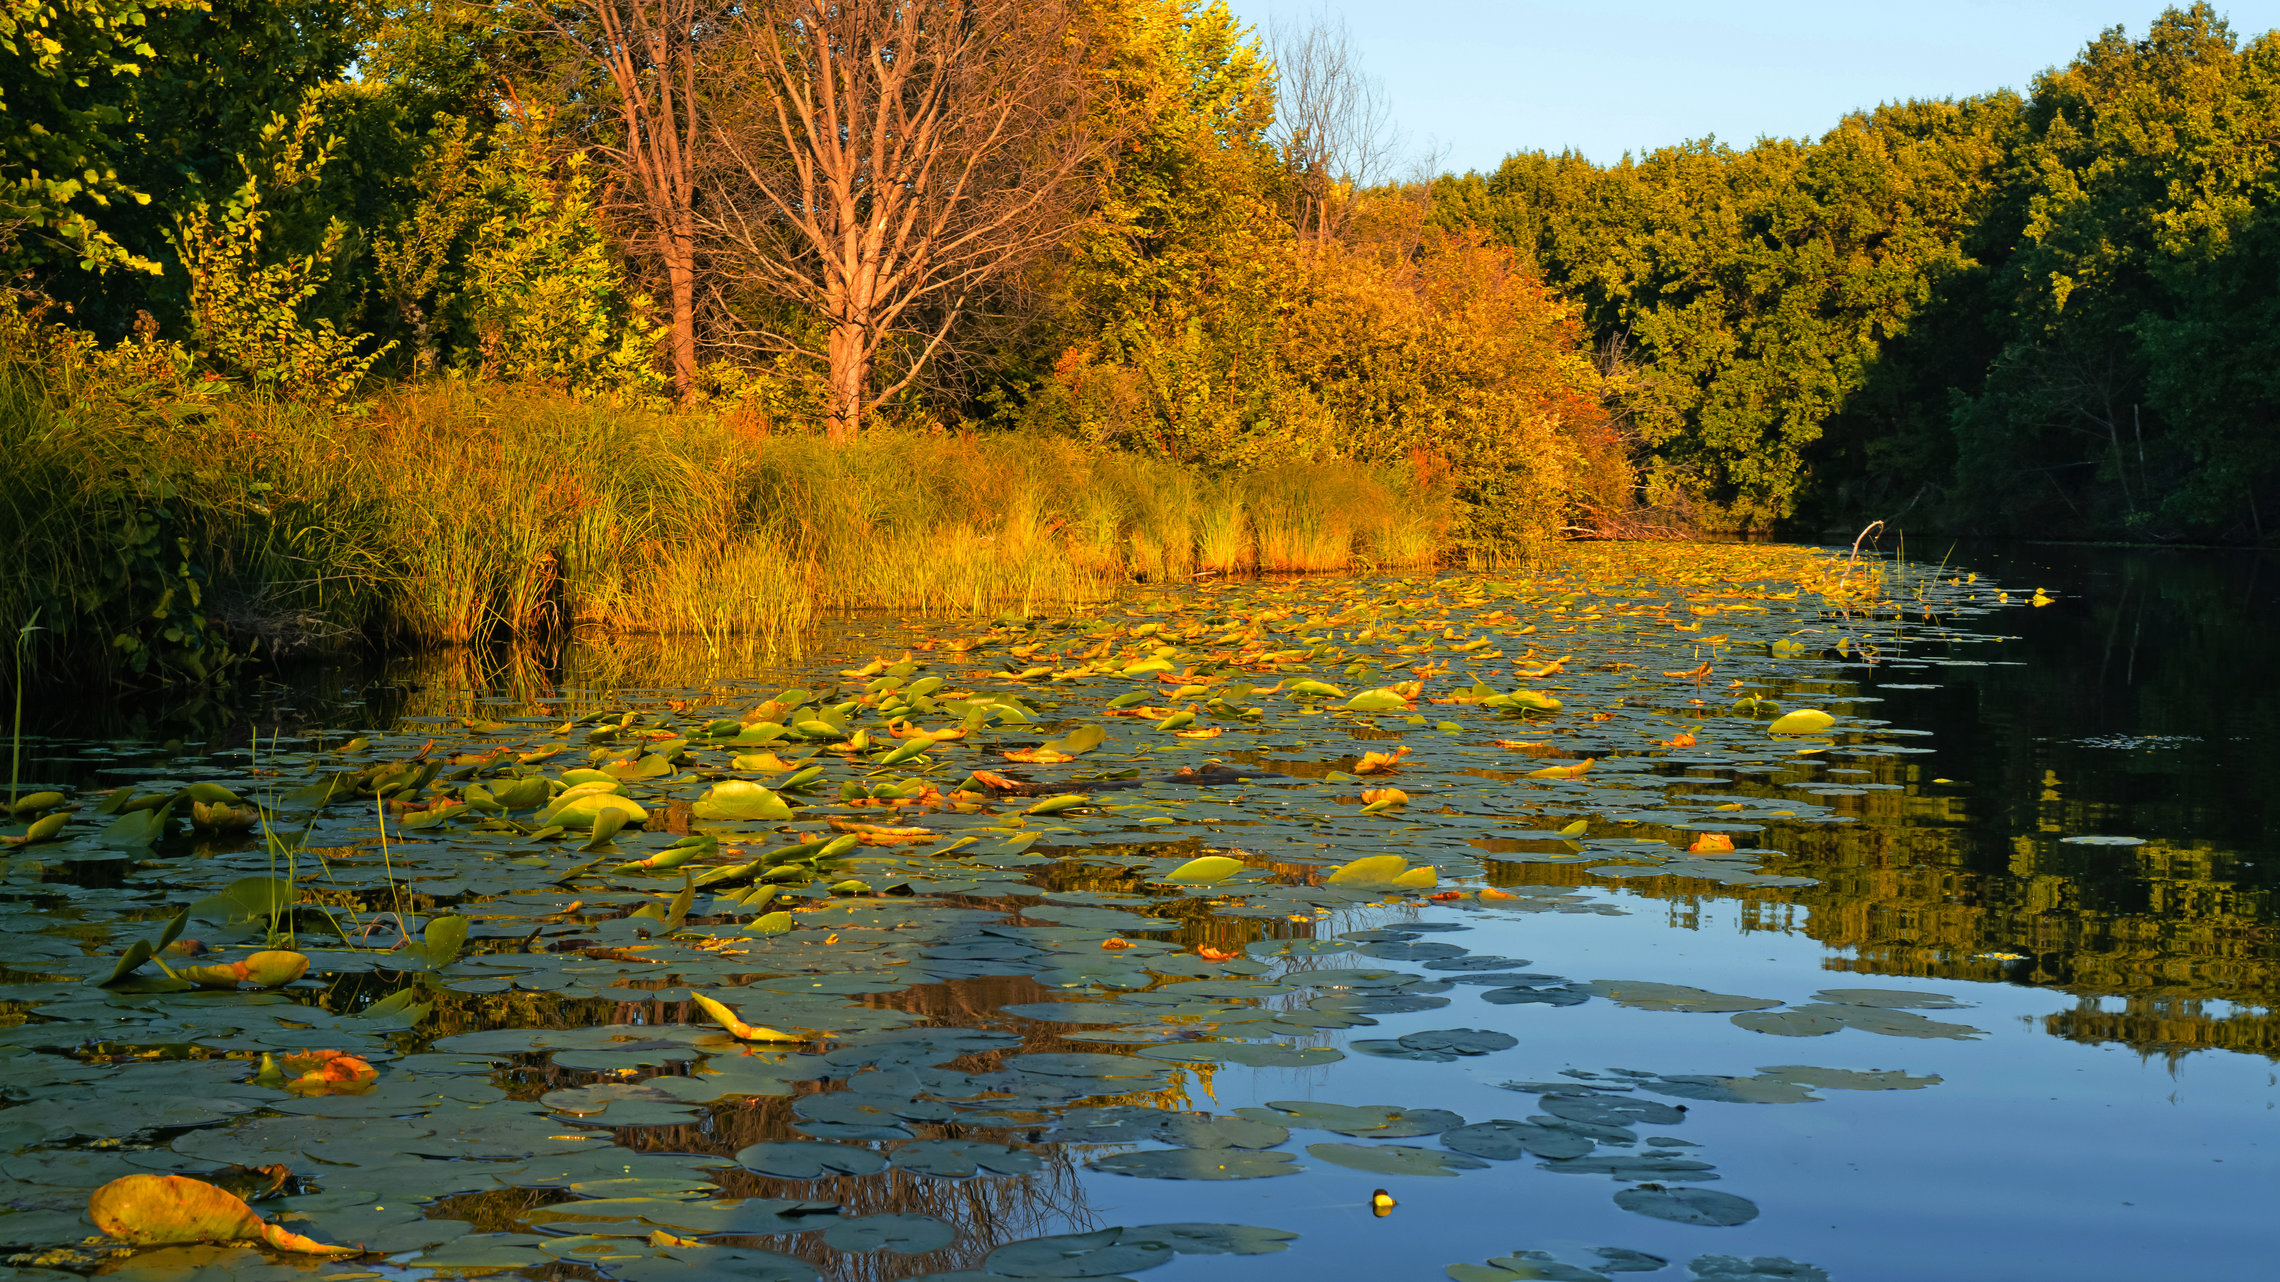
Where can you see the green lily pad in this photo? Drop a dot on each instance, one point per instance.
(1891, 998)
(901, 1233)
(1198, 1164)
(1644, 995)
(1761, 1089)
(1531, 1266)
(808, 1159)
(1611, 1110)
(1076, 1255)
(1763, 1268)
(1848, 1079)
(1248, 1054)
(1789, 1023)
(1213, 1239)
(711, 1264)
(483, 1251)
(1438, 1045)
(956, 1159)
(740, 799)
(1082, 1064)
(1395, 1159)
(1707, 1207)
(1892, 1023)
(1504, 1140)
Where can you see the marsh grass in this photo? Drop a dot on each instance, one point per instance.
(457, 512)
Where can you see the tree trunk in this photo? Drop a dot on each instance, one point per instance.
(850, 376)
(678, 248)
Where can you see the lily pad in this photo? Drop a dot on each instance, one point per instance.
(1214, 1239)
(1645, 995)
(1438, 1045)
(1082, 1064)
(1707, 1207)
(1395, 1159)
(1198, 1164)
(1531, 1266)
(1763, 1268)
(808, 1159)
(901, 1233)
(1611, 1110)
(1248, 1054)
(1891, 998)
(1077, 1255)
(956, 1159)
(1788, 1023)
(1848, 1079)
(739, 799)
(1208, 868)
(1892, 1023)
(1504, 1140)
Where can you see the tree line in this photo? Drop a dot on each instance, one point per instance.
(1143, 226)
(2048, 313)
(1127, 222)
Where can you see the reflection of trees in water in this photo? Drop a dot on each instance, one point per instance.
(1914, 889)
(985, 1210)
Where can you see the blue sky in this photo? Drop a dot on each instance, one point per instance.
(1482, 78)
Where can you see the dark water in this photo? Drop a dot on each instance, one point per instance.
(2099, 1105)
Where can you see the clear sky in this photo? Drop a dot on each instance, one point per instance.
(1483, 78)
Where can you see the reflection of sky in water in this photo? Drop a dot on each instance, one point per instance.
(2033, 1157)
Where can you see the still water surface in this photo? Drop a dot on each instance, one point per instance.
(2080, 1032)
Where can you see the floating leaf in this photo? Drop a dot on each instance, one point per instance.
(152, 1210)
(1644, 995)
(1707, 1207)
(741, 799)
(1370, 870)
(900, 1233)
(1504, 1140)
(809, 1159)
(737, 1028)
(1199, 1164)
(272, 969)
(956, 1159)
(1205, 869)
(1891, 998)
(1788, 1023)
(1850, 1079)
(1394, 1159)
(1762, 1268)
(1801, 721)
(1213, 1239)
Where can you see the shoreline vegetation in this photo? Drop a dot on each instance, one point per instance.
(424, 325)
(462, 513)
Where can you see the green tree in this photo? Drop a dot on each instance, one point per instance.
(63, 129)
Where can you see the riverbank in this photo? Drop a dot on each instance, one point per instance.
(159, 539)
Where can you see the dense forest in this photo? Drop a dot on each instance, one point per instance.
(258, 253)
(2047, 315)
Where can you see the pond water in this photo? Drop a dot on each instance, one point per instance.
(1646, 975)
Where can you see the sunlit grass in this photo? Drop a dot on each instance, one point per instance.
(461, 512)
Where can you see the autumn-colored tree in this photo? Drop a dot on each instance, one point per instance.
(884, 161)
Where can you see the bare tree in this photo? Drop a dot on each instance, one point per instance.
(1333, 124)
(652, 52)
(884, 160)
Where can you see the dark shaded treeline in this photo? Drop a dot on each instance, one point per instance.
(2040, 315)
